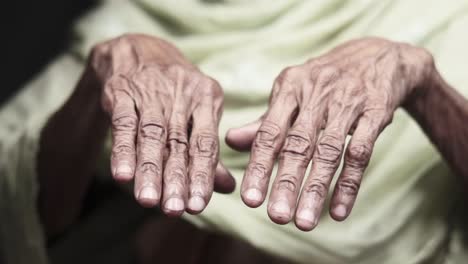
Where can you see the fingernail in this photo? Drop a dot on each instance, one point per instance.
(174, 204)
(306, 219)
(281, 208)
(340, 211)
(148, 194)
(253, 195)
(306, 215)
(124, 171)
(196, 204)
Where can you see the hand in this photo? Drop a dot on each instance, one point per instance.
(355, 88)
(164, 116)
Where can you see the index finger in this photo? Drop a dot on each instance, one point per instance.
(268, 141)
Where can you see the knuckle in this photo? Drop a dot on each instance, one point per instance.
(200, 178)
(115, 82)
(176, 69)
(326, 74)
(177, 140)
(99, 50)
(126, 36)
(329, 149)
(284, 73)
(212, 83)
(297, 143)
(297, 146)
(125, 122)
(358, 155)
(257, 170)
(290, 75)
(348, 186)
(379, 117)
(124, 41)
(386, 102)
(287, 182)
(352, 89)
(354, 86)
(152, 130)
(204, 145)
(123, 148)
(176, 175)
(149, 167)
(100, 59)
(267, 138)
(293, 72)
(317, 188)
(117, 94)
(209, 87)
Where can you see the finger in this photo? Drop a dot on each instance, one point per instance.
(357, 157)
(124, 127)
(267, 143)
(151, 146)
(241, 138)
(326, 158)
(204, 149)
(224, 181)
(175, 171)
(294, 158)
(299, 146)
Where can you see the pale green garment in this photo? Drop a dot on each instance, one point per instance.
(401, 213)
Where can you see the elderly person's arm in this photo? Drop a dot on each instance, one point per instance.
(353, 89)
(163, 114)
(442, 113)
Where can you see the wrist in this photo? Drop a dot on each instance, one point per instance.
(424, 90)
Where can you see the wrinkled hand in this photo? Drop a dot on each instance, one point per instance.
(164, 117)
(355, 88)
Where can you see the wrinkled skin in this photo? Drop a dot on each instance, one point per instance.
(164, 119)
(353, 89)
(165, 113)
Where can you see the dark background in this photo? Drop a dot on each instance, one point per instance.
(34, 33)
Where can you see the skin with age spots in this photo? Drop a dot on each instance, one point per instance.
(353, 89)
(154, 97)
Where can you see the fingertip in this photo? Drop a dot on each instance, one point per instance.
(123, 178)
(306, 220)
(148, 197)
(339, 212)
(123, 173)
(224, 181)
(252, 197)
(280, 212)
(235, 140)
(196, 205)
(174, 207)
(241, 138)
(226, 187)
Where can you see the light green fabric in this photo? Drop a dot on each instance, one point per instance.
(402, 212)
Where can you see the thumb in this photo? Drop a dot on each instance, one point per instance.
(241, 138)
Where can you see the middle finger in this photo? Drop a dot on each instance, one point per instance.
(265, 148)
(343, 109)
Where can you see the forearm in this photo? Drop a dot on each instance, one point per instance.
(69, 145)
(442, 113)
